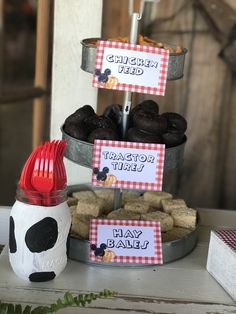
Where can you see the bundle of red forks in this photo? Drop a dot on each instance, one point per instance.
(44, 172)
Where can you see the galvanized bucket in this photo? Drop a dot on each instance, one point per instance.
(81, 153)
(175, 66)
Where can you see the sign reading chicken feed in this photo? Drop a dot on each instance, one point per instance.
(129, 67)
(128, 165)
(125, 241)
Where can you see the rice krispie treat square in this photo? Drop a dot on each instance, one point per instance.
(81, 226)
(73, 210)
(84, 195)
(129, 195)
(108, 196)
(174, 234)
(166, 221)
(184, 217)
(170, 204)
(93, 207)
(155, 197)
(123, 214)
(138, 206)
(71, 201)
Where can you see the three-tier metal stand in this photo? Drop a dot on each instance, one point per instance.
(81, 152)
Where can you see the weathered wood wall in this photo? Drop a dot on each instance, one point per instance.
(205, 96)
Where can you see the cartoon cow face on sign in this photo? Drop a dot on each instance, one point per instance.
(37, 241)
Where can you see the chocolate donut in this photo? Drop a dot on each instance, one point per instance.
(173, 139)
(96, 122)
(150, 122)
(114, 112)
(76, 130)
(136, 135)
(147, 106)
(175, 122)
(80, 114)
(102, 134)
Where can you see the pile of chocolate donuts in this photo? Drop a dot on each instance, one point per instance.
(146, 125)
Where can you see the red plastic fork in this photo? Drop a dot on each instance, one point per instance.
(25, 178)
(60, 171)
(28, 192)
(42, 178)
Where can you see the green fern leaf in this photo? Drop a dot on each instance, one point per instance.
(67, 301)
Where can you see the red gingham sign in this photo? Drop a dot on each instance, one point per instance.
(128, 165)
(134, 68)
(228, 237)
(125, 241)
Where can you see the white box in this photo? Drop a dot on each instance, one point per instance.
(221, 260)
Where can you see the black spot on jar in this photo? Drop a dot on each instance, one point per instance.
(12, 238)
(42, 236)
(42, 276)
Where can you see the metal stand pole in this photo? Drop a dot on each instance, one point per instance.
(127, 102)
(117, 198)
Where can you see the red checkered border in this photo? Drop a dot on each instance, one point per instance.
(159, 90)
(156, 259)
(132, 185)
(228, 237)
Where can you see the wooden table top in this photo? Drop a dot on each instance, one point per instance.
(183, 286)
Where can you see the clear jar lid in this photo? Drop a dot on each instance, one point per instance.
(52, 198)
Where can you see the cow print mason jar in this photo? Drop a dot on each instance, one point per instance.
(39, 228)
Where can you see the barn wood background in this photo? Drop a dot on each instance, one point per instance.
(205, 97)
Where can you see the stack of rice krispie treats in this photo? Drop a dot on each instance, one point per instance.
(176, 218)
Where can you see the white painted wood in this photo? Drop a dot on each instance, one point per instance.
(74, 20)
(168, 281)
(183, 286)
(131, 304)
(4, 224)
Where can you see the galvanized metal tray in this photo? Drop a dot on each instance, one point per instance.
(175, 66)
(81, 153)
(79, 249)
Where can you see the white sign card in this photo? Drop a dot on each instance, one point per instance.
(128, 165)
(125, 241)
(129, 67)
